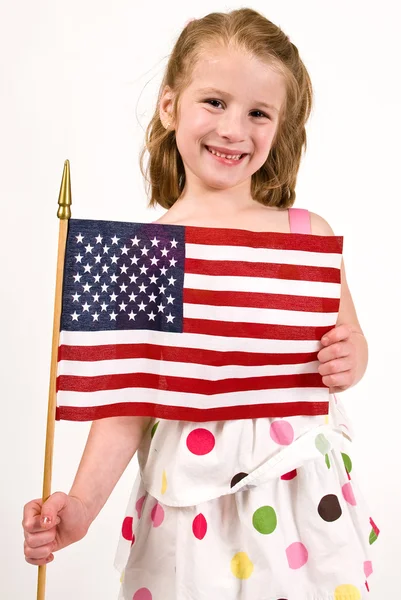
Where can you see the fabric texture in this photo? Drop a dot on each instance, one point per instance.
(248, 509)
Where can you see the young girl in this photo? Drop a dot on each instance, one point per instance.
(242, 509)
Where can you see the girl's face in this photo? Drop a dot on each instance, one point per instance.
(225, 106)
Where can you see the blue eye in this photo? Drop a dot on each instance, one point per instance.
(254, 111)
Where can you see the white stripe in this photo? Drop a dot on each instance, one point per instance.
(166, 398)
(264, 285)
(263, 255)
(178, 369)
(266, 316)
(187, 340)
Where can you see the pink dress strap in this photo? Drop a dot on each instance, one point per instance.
(299, 220)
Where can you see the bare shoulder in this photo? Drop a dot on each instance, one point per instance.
(319, 226)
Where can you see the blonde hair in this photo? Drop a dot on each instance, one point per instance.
(273, 184)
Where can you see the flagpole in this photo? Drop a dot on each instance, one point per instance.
(64, 214)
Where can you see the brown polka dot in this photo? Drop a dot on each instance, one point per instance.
(329, 508)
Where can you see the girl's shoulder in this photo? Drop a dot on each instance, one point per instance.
(319, 225)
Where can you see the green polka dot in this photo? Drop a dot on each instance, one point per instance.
(322, 444)
(347, 462)
(264, 519)
(327, 460)
(152, 433)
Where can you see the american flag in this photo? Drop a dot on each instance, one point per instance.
(194, 323)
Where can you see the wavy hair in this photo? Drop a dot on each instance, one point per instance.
(273, 184)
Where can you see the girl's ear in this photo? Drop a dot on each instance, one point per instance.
(165, 107)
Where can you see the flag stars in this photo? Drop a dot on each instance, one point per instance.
(132, 297)
(122, 306)
(104, 306)
(89, 248)
(87, 268)
(161, 307)
(95, 297)
(87, 287)
(113, 316)
(133, 278)
(106, 249)
(75, 316)
(115, 240)
(123, 268)
(97, 258)
(155, 241)
(114, 259)
(162, 289)
(134, 259)
(154, 260)
(164, 251)
(151, 316)
(75, 297)
(77, 278)
(124, 250)
(170, 299)
(95, 316)
(85, 307)
(79, 238)
(113, 297)
(163, 270)
(170, 318)
(142, 287)
(132, 316)
(78, 258)
(104, 287)
(99, 239)
(144, 250)
(142, 306)
(172, 262)
(174, 243)
(144, 270)
(153, 279)
(135, 241)
(123, 287)
(113, 278)
(171, 280)
(152, 297)
(105, 268)
(97, 278)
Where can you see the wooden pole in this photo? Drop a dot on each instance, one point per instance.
(63, 213)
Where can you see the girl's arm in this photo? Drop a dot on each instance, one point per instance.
(111, 444)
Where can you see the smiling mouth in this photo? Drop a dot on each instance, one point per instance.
(213, 152)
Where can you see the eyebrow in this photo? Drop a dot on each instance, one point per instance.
(209, 90)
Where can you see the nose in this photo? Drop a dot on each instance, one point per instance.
(232, 126)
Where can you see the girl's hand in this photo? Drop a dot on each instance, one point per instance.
(68, 523)
(338, 358)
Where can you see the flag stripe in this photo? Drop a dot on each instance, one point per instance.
(241, 268)
(255, 284)
(196, 415)
(215, 358)
(255, 330)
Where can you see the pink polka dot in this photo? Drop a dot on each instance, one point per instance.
(126, 529)
(142, 594)
(289, 476)
(157, 515)
(133, 540)
(281, 432)
(200, 441)
(348, 493)
(297, 555)
(139, 506)
(367, 567)
(199, 526)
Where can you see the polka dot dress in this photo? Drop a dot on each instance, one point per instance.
(264, 509)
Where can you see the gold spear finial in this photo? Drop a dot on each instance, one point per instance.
(64, 199)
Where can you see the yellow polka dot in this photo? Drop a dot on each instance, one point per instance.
(164, 482)
(241, 565)
(326, 419)
(122, 577)
(347, 592)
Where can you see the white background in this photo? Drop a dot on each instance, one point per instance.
(78, 80)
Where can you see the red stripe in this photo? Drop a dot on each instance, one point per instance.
(261, 300)
(73, 383)
(143, 409)
(254, 330)
(213, 358)
(239, 268)
(263, 239)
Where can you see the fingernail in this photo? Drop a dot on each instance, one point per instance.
(325, 340)
(46, 520)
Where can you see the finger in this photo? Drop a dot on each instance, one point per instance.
(340, 332)
(39, 553)
(40, 561)
(338, 379)
(336, 366)
(337, 350)
(35, 540)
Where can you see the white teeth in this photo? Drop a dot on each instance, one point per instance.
(231, 157)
